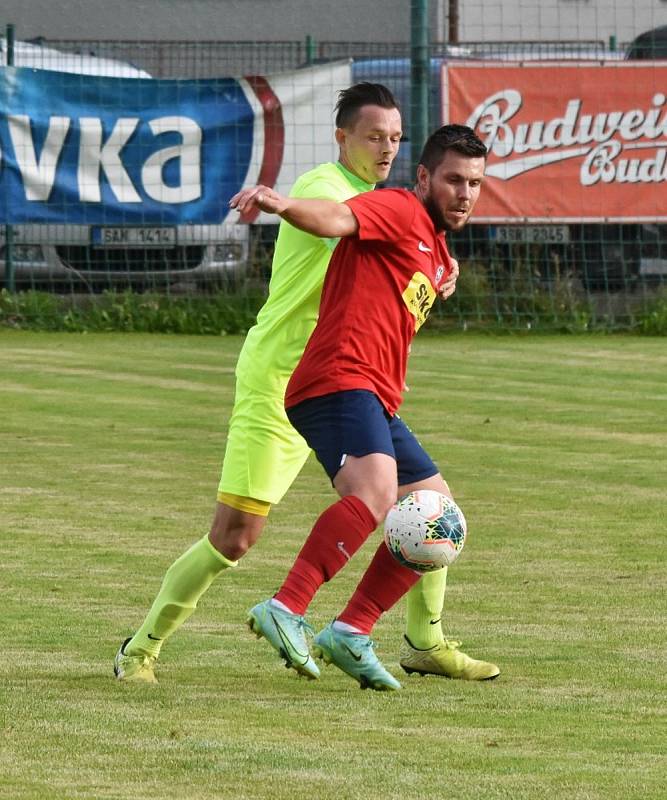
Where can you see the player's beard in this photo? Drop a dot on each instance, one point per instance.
(436, 215)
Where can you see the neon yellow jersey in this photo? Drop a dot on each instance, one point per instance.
(275, 344)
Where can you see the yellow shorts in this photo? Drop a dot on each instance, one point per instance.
(264, 453)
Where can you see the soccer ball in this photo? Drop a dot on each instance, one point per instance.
(425, 530)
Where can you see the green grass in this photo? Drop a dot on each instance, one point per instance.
(110, 447)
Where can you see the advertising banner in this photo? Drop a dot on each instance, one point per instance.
(568, 142)
(125, 151)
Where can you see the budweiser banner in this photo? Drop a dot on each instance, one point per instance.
(567, 141)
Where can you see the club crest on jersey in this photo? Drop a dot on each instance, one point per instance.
(440, 271)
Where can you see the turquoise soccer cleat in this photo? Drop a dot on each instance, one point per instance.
(353, 653)
(287, 634)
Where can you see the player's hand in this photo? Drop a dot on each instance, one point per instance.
(449, 286)
(261, 196)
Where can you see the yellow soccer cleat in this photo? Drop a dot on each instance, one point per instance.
(445, 659)
(137, 668)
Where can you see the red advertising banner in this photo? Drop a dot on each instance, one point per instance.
(567, 141)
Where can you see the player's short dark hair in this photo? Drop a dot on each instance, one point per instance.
(352, 99)
(459, 138)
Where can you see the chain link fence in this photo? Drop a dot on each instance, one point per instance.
(518, 270)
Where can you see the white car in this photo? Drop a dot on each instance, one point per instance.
(66, 257)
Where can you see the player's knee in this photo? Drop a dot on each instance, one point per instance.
(233, 541)
(237, 553)
(234, 548)
(234, 531)
(380, 500)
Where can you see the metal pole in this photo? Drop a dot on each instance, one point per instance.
(419, 79)
(9, 231)
(310, 50)
(453, 37)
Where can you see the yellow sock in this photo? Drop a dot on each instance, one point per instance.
(184, 583)
(425, 602)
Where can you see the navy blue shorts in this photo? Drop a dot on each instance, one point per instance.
(355, 423)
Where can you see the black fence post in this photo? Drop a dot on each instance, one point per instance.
(419, 80)
(9, 231)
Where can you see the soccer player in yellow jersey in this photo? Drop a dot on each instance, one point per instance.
(264, 454)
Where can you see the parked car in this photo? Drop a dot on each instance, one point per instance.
(65, 257)
(649, 45)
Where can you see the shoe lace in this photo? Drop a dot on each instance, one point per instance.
(304, 627)
(367, 650)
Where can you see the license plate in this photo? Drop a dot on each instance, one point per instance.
(653, 266)
(531, 234)
(133, 237)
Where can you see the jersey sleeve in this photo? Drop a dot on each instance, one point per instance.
(383, 215)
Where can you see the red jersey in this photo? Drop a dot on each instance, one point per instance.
(378, 290)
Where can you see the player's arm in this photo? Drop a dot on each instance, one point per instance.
(324, 218)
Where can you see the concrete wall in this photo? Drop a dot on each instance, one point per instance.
(331, 20)
(560, 19)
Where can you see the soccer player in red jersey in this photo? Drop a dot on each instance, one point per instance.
(390, 265)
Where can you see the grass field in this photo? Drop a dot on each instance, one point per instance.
(555, 447)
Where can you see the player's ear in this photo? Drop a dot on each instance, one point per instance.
(423, 177)
(340, 137)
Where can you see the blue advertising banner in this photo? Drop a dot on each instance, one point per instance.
(90, 150)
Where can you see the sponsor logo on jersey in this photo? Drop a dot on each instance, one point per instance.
(419, 296)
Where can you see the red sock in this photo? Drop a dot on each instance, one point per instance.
(336, 536)
(382, 585)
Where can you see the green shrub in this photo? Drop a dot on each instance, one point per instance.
(488, 295)
(128, 311)
(653, 320)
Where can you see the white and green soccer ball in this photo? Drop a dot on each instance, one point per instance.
(425, 530)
